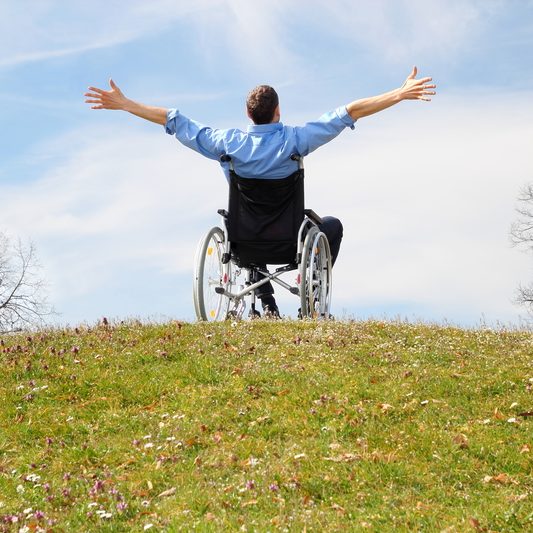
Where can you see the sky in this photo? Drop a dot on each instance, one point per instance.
(426, 191)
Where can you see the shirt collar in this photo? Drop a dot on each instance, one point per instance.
(265, 128)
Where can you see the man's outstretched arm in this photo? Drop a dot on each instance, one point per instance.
(115, 99)
(412, 89)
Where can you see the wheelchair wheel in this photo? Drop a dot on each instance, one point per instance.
(211, 272)
(315, 276)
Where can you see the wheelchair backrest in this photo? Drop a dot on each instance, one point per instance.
(264, 218)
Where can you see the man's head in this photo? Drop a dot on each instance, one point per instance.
(262, 105)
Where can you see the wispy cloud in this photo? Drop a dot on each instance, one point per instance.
(108, 207)
(257, 37)
(403, 30)
(426, 195)
(44, 55)
(254, 34)
(40, 30)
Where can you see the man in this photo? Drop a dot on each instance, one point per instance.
(264, 150)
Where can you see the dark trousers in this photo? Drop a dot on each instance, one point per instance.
(332, 228)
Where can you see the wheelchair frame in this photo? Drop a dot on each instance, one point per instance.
(218, 296)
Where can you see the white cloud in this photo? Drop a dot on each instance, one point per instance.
(117, 203)
(253, 33)
(426, 193)
(401, 31)
(38, 30)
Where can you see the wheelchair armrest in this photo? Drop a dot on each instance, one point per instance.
(223, 213)
(311, 215)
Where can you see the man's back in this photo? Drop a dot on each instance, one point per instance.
(264, 150)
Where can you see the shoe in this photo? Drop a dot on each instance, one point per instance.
(254, 313)
(271, 311)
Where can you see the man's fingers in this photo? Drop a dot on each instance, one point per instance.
(413, 73)
(112, 84)
(92, 95)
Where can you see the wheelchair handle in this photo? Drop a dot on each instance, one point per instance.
(299, 159)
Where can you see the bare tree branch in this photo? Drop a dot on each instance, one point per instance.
(521, 235)
(22, 300)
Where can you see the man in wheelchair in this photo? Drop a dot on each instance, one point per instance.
(267, 159)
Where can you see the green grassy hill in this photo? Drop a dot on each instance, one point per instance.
(266, 426)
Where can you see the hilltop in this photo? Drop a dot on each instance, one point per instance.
(266, 426)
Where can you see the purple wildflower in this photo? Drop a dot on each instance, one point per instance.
(97, 487)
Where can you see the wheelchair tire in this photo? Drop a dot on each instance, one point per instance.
(315, 276)
(211, 272)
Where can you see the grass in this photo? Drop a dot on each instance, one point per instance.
(266, 426)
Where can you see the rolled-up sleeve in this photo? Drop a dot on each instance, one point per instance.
(194, 135)
(326, 128)
(345, 117)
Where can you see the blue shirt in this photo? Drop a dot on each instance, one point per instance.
(264, 150)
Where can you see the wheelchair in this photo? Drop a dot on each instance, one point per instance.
(265, 223)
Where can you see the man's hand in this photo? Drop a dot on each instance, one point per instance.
(113, 99)
(414, 89)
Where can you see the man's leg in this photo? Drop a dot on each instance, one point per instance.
(266, 294)
(332, 228)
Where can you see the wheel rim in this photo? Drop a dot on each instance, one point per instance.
(211, 273)
(316, 277)
(214, 276)
(320, 274)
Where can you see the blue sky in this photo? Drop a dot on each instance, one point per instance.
(426, 191)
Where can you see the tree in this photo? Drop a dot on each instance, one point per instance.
(22, 300)
(522, 236)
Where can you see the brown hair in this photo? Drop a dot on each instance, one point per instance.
(261, 104)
